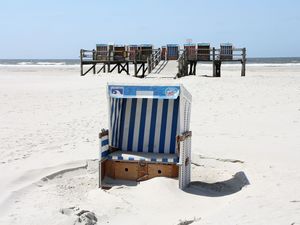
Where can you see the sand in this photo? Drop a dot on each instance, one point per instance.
(245, 145)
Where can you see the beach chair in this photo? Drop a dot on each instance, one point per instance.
(203, 51)
(172, 51)
(226, 51)
(148, 134)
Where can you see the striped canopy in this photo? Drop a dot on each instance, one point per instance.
(144, 118)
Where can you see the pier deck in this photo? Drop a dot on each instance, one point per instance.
(187, 62)
(143, 61)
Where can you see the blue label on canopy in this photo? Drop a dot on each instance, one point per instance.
(160, 92)
(170, 92)
(116, 91)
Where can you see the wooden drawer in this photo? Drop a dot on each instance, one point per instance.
(162, 170)
(137, 171)
(126, 170)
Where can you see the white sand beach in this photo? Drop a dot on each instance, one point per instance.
(245, 146)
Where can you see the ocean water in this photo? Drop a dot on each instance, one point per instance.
(40, 62)
(48, 62)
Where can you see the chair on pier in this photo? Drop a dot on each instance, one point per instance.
(172, 51)
(145, 51)
(101, 52)
(203, 52)
(226, 51)
(191, 51)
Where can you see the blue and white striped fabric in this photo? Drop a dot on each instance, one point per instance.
(148, 157)
(104, 143)
(144, 124)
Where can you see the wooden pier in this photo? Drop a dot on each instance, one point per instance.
(143, 59)
(108, 58)
(187, 62)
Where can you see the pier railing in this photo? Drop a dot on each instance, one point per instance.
(235, 54)
(147, 59)
(211, 54)
(154, 59)
(182, 63)
(86, 54)
(188, 59)
(118, 55)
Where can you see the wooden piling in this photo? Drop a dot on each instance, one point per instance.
(149, 65)
(217, 66)
(135, 68)
(127, 65)
(94, 58)
(81, 65)
(213, 61)
(243, 73)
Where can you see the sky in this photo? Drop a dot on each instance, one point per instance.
(58, 29)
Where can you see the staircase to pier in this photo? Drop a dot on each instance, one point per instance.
(165, 69)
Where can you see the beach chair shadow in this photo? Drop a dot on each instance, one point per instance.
(219, 189)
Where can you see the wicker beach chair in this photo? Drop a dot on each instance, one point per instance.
(148, 134)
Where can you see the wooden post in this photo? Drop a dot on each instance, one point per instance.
(159, 56)
(81, 65)
(153, 62)
(135, 68)
(213, 61)
(127, 65)
(185, 63)
(108, 65)
(218, 64)
(94, 58)
(195, 67)
(243, 63)
(94, 68)
(135, 62)
(149, 64)
(166, 54)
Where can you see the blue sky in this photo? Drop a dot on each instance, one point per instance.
(59, 28)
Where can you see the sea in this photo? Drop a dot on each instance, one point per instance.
(270, 61)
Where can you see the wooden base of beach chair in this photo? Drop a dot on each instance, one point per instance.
(137, 170)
